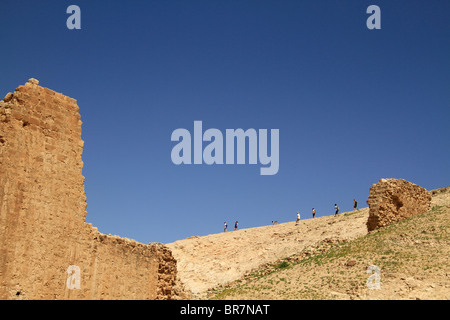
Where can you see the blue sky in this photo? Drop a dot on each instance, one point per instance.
(352, 105)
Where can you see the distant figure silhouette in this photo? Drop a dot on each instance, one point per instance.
(337, 209)
(355, 204)
(314, 212)
(275, 222)
(298, 218)
(235, 226)
(225, 226)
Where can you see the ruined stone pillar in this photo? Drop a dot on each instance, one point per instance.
(45, 242)
(392, 200)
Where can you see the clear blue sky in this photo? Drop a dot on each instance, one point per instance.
(353, 105)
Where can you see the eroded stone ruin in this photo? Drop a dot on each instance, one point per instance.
(43, 231)
(392, 200)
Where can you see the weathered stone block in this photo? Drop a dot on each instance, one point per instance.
(43, 209)
(392, 200)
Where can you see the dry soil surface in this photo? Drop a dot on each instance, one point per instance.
(208, 261)
(213, 261)
(410, 259)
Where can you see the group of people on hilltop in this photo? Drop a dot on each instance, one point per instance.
(225, 226)
(336, 208)
(336, 212)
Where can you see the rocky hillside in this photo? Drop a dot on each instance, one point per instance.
(411, 259)
(322, 258)
(206, 262)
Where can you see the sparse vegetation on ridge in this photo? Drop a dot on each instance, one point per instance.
(323, 258)
(413, 257)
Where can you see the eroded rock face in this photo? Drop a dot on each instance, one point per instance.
(43, 232)
(392, 200)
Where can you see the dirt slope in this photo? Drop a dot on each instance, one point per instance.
(206, 262)
(412, 257)
(328, 258)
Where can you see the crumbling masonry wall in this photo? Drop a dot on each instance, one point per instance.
(43, 208)
(392, 200)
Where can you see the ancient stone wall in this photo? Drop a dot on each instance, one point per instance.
(43, 208)
(392, 200)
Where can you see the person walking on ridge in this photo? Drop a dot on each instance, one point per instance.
(298, 218)
(225, 226)
(337, 209)
(314, 212)
(235, 226)
(355, 204)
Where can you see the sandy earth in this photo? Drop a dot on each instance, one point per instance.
(218, 259)
(208, 261)
(412, 257)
